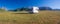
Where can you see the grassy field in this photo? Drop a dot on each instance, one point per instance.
(43, 17)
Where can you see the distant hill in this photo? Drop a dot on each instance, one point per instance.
(45, 8)
(56, 9)
(30, 8)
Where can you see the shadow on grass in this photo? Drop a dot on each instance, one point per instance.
(22, 13)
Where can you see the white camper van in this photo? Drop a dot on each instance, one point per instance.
(34, 10)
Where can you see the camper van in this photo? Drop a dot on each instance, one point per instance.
(34, 10)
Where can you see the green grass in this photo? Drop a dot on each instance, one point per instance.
(43, 17)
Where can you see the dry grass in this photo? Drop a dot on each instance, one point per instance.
(43, 17)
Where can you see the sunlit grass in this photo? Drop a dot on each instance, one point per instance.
(43, 17)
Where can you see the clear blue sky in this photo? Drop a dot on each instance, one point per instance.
(13, 4)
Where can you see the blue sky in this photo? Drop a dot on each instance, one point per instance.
(13, 4)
